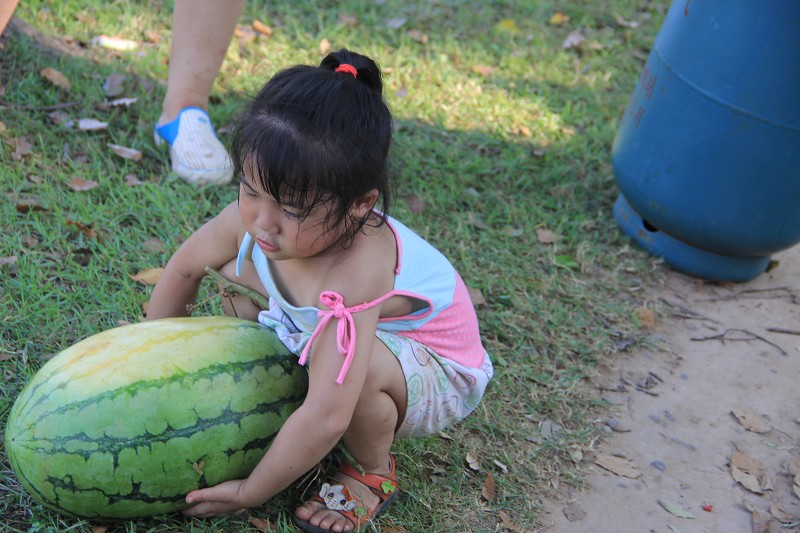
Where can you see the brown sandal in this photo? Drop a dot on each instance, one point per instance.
(338, 498)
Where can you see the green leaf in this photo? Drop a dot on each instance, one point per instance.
(387, 487)
(567, 261)
(675, 509)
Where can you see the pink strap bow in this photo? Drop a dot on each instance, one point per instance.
(345, 330)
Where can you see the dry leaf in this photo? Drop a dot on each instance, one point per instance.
(645, 317)
(488, 489)
(152, 36)
(674, 509)
(121, 102)
(618, 465)
(507, 26)
(148, 276)
(761, 518)
(56, 78)
(558, 19)
(748, 471)
(779, 513)
(262, 28)
(501, 466)
(115, 43)
(793, 464)
(324, 46)
(546, 236)
(751, 421)
(260, 524)
(624, 23)
(90, 124)
(506, 523)
(10, 260)
(473, 462)
(476, 296)
(114, 85)
(445, 436)
(124, 152)
(26, 203)
(573, 40)
(131, 180)
(99, 529)
(483, 70)
(348, 20)
(474, 220)
(396, 23)
(86, 229)
(574, 513)
(418, 36)
(415, 204)
(22, 147)
(80, 184)
(153, 245)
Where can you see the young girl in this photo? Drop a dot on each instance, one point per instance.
(380, 317)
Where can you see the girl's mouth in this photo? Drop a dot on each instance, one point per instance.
(266, 246)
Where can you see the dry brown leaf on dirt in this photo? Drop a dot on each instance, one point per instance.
(476, 296)
(80, 184)
(132, 180)
(99, 529)
(749, 472)
(148, 276)
(780, 514)
(761, 518)
(507, 523)
(472, 462)
(262, 28)
(26, 203)
(645, 317)
(546, 236)
(56, 77)
(418, 36)
(751, 421)
(22, 147)
(488, 489)
(125, 152)
(348, 20)
(261, 524)
(87, 229)
(58, 117)
(618, 465)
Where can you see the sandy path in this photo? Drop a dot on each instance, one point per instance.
(682, 431)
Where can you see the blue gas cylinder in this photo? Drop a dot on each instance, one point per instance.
(707, 155)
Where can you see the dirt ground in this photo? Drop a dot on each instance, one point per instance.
(716, 396)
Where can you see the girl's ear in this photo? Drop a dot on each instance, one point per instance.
(363, 206)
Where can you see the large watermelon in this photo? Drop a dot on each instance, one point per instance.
(124, 423)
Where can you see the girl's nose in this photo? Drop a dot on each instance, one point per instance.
(267, 220)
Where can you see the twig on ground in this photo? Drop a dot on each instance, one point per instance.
(757, 294)
(783, 330)
(722, 338)
(685, 312)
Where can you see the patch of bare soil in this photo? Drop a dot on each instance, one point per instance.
(704, 432)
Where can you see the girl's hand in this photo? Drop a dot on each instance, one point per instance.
(221, 499)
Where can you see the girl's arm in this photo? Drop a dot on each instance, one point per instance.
(311, 431)
(214, 244)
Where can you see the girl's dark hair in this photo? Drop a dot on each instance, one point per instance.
(314, 135)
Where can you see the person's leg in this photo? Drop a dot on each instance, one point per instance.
(7, 8)
(201, 33)
(370, 436)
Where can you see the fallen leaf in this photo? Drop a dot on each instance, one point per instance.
(80, 184)
(90, 124)
(348, 20)
(125, 153)
(761, 518)
(10, 260)
(749, 472)
(474, 220)
(396, 23)
(546, 236)
(245, 34)
(99, 529)
(751, 421)
(152, 36)
(488, 489)
(115, 43)
(114, 84)
(618, 465)
(26, 203)
(501, 466)
(445, 436)
(476, 296)
(148, 276)
(506, 523)
(511, 231)
(262, 28)
(574, 512)
(261, 524)
(558, 19)
(121, 102)
(418, 36)
(567, 261)
(780, 514)
(508, 26)
(674, 509)
(624, 23)
(132, 180)
(645, 317)
(793, 464)
(483, 70)
(549, 429)
(22, 147)
(473, 462)
(324, 46)
(87, 229)
(415, 204)
(574, 40)
(58, 117)
(56, 78)
(153, 245)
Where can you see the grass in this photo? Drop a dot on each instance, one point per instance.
(501, 132)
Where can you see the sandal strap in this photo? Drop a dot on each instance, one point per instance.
(382, 486)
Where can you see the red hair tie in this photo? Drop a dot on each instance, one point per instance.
(350, 69)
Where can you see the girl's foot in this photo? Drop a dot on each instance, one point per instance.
(349, 504)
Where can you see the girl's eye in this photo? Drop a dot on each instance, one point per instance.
(290, 214)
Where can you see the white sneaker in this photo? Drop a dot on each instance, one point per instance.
(196, 153)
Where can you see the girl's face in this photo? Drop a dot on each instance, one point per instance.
(281, 231)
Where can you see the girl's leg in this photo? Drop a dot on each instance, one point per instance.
(380, 409)
(238, 304)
